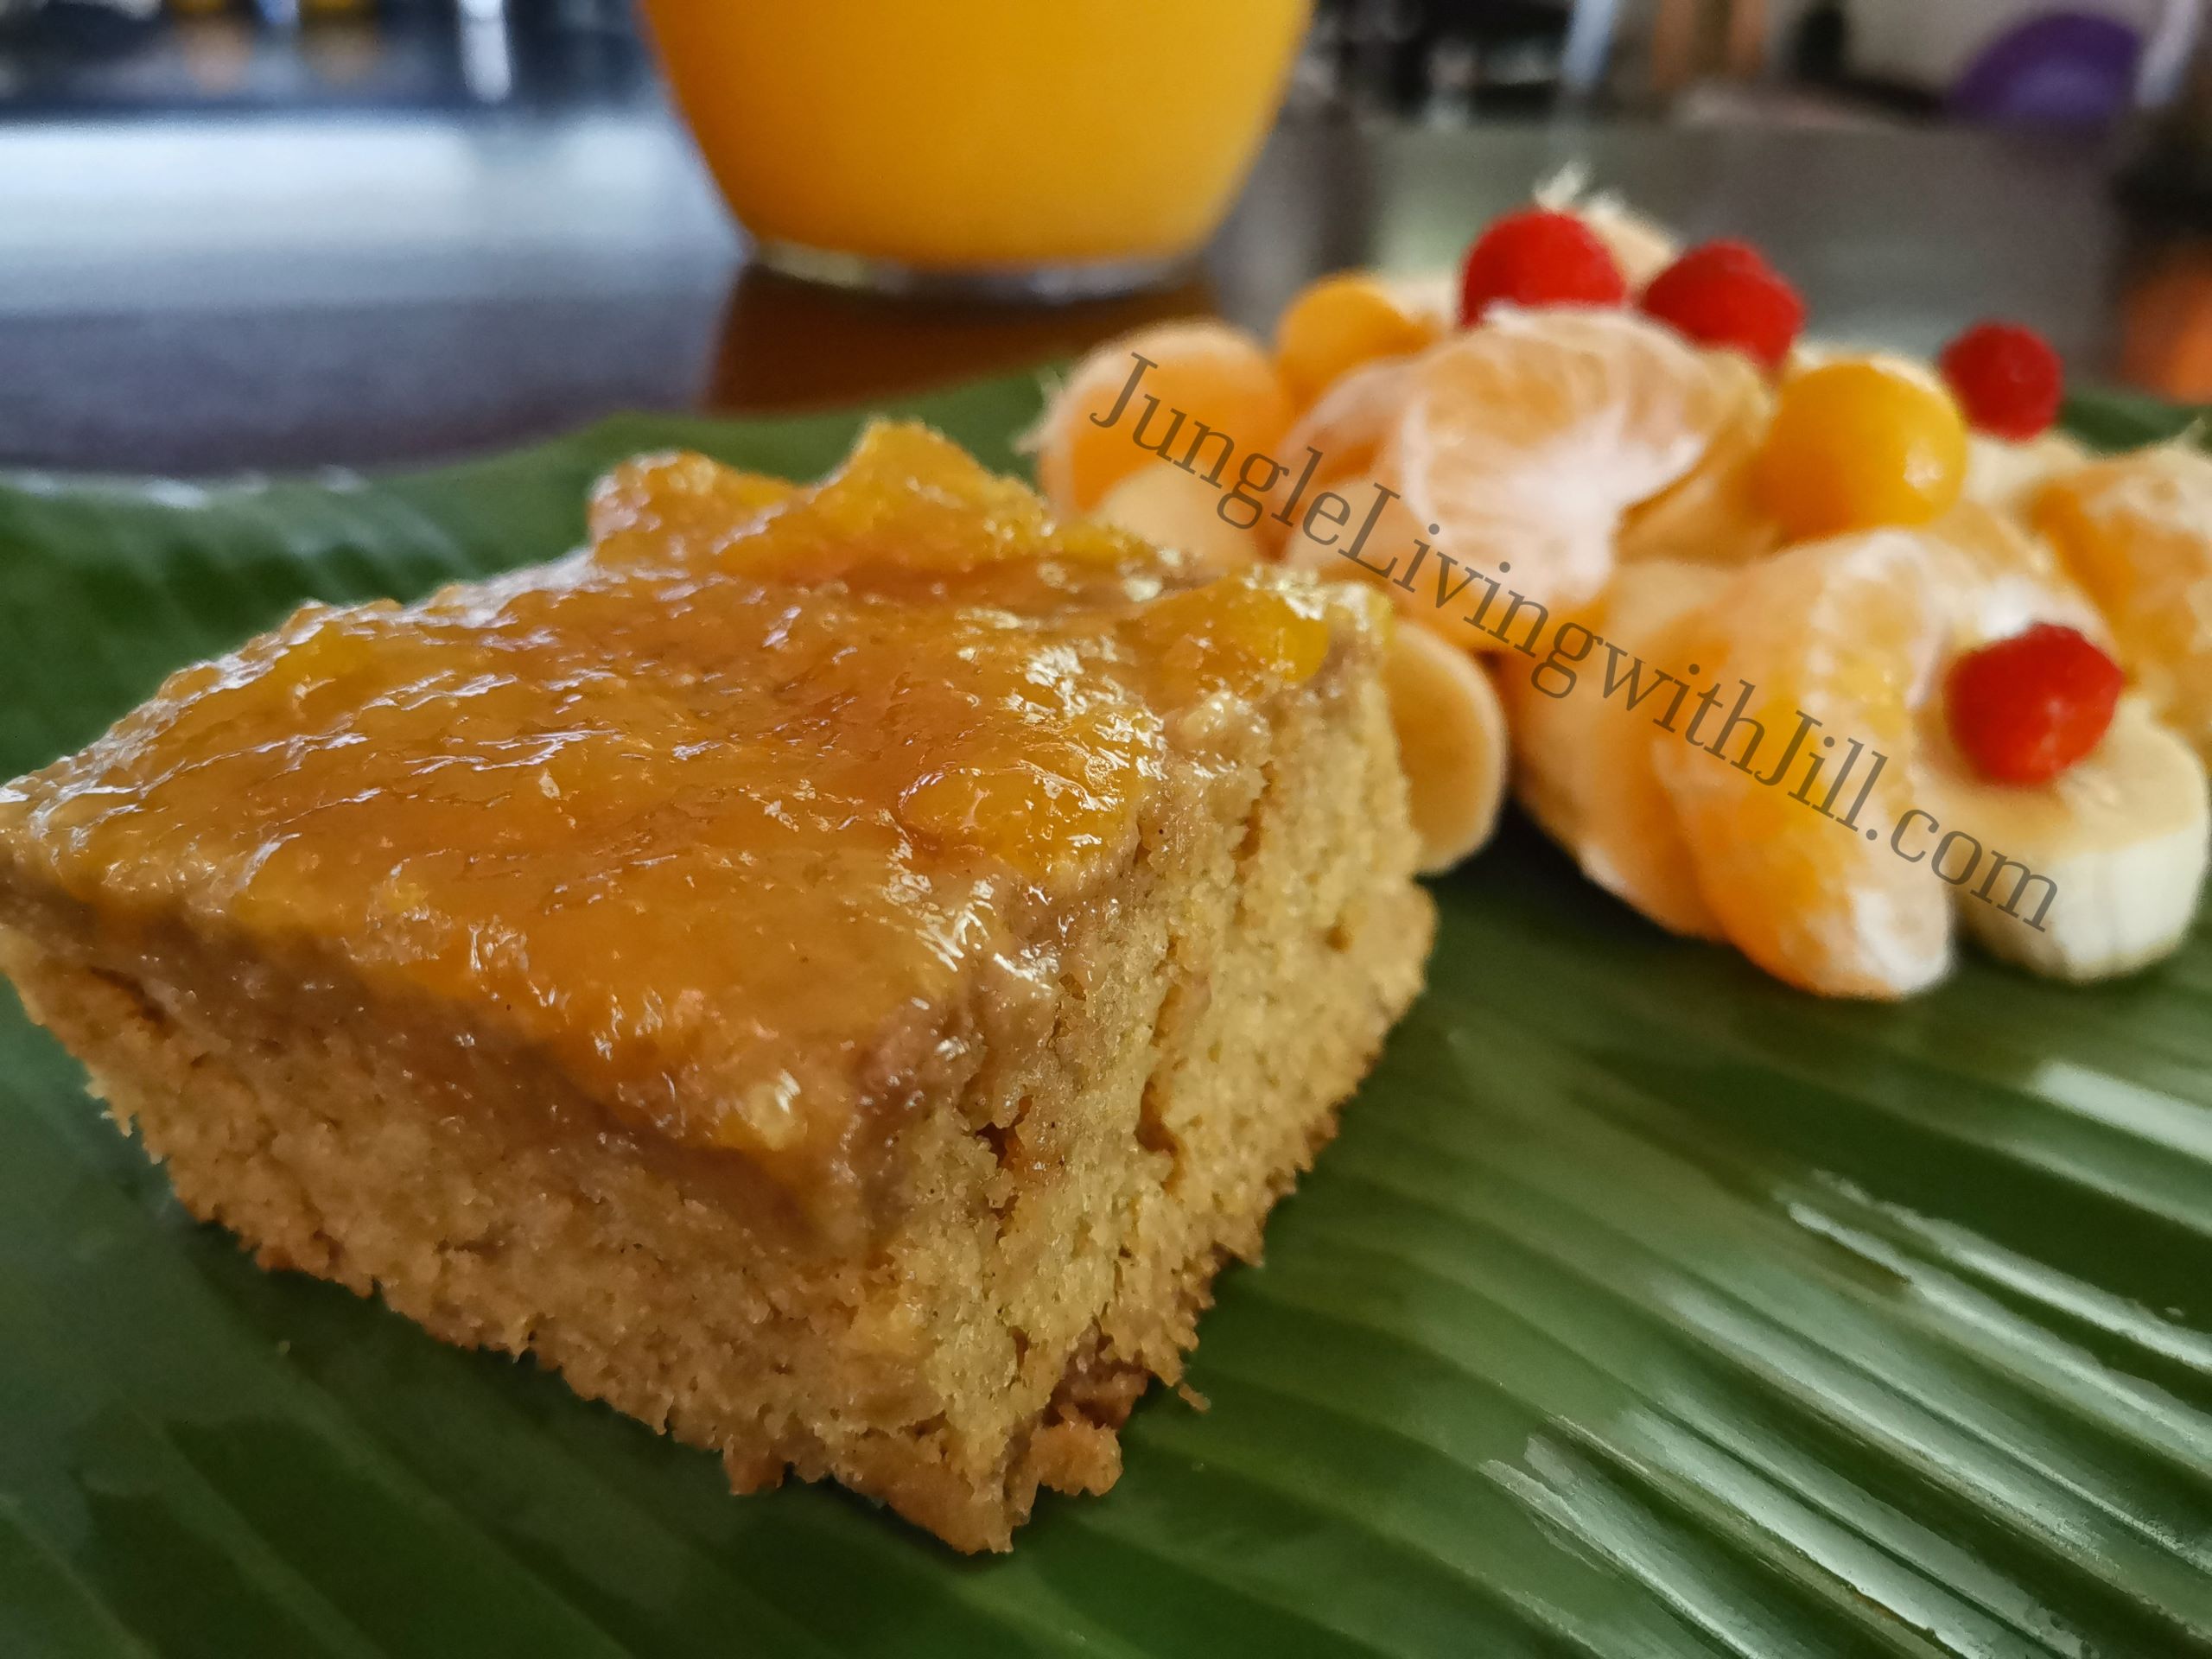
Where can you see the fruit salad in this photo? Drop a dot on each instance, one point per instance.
(1830, 655)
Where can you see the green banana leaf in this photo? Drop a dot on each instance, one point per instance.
(1643, 1307)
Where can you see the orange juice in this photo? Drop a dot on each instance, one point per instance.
(951, 135)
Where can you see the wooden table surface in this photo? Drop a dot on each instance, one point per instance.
(280, 291)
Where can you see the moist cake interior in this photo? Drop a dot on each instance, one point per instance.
(918, 1193)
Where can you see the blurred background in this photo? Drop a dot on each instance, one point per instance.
(295, 232)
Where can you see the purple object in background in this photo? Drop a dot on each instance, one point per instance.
(2071, 69)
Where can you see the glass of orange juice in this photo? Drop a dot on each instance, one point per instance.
(1054, 148)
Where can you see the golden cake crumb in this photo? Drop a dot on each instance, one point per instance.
(833, 971)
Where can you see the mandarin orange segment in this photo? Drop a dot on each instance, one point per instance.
(1524, 440)
(1341, 322)
(1580, 711)
(1716, 515)
(1195, 379)
(1339, 437)
(1346, 430)
(1790, 762)
(2136, 531)
(1996, 577)
(2009, 476)
(1383, 547)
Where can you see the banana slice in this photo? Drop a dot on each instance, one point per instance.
(2092, 875)
(1170, 507)
(1451, 741)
